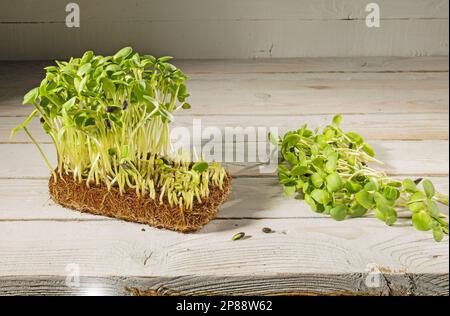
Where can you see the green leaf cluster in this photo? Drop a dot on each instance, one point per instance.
(330, 170)
(109, 117)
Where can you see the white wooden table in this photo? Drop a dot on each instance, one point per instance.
(400, 104)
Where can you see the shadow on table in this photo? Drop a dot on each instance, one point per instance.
(251, 199)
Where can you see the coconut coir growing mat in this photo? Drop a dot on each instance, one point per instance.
(129, 207)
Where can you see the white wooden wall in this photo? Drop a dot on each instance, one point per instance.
(35, 29)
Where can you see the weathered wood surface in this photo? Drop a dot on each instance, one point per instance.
(327, 254)
(297, 246)
(32, 70)
(307, 254)
(229, 39)
(272, 96)
(175, 10)
(283, 284)
(284, 87)
(426, 126)
(226, 29)
(427, 157)
(255, 197)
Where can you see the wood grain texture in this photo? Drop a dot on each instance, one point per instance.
(218, 29)
(423, 126)
(319, 97)
(324, 65)
(287, 86)
(257, 198)
(228, 39)
(400, 158)
(31, 71)
(300, 247)
(179, 10)
(176, 254)
(285, 284)
(307, 254)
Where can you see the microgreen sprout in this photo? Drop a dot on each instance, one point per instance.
(108, 118)
(330, 169)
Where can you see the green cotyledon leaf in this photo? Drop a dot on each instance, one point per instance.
(334, 182)
(31, 96)
(368, 150)
(200, 167)
(429, 188)
(122, 54)
(337, 120)
(409, 185)
(417, 202)
(339, 212)
(422, 221)
(366, 199)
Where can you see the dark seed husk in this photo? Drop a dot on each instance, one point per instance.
(126, 166)
(350, 146)
(124, 105)
(238, 236)
(418, 180)
(111, 109)
(267, 230)
(42, 120)
(108, 124)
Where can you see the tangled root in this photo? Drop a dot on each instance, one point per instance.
(130, 207)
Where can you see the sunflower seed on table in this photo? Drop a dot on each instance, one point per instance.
(238, 236)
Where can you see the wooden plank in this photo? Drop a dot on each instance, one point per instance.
(441, 74)
(318, 97)
(304, 284)
(400, 157)
(26, 70)
(274, 86)
(317, 65)
(21, 79)
(258, 198)
(298, 247)
(228, 38)
(293, 97)
(420, 126)
(176, 10)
